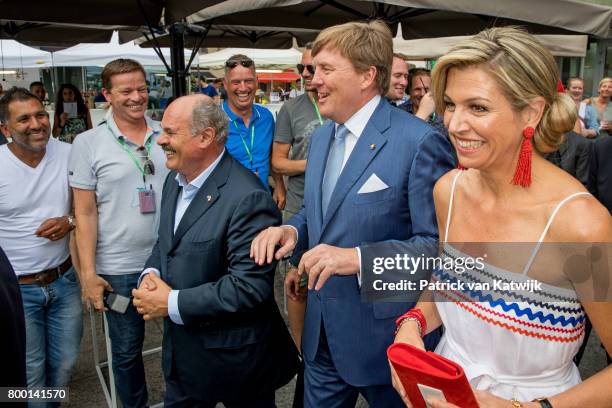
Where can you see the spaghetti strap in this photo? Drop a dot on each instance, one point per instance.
(450, 204)
(548, 224)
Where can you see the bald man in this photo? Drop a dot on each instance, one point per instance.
(224, 338)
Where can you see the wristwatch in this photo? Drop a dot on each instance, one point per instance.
(71, 222)
(544, 402)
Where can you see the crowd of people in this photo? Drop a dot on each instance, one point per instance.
(189, 219)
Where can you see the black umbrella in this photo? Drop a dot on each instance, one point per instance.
(419, 18)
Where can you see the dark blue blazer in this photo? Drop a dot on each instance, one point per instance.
(408, 156)
(234, 339)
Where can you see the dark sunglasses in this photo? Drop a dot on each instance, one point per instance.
(247, 63)
(309, 67)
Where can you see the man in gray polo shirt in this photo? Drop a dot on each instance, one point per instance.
(117, 173)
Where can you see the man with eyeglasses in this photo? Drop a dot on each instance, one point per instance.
(251, 126)
(117, 173)
(296, 121)
(35, 203)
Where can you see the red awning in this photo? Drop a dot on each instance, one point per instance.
(277, 77)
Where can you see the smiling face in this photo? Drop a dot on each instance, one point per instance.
(484, 128)
(605, 89)
(128, 96)
(399, 79)
(307, 60)
(185, 152)
(28, 125)
(576, 89)
(341, 89)
(240, 84)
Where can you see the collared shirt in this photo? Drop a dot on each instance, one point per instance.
(99, 163)
(189, 190)
(254, 156)
(355, 124)
(185, 197)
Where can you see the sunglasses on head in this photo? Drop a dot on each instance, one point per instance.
(309, 67)
(247, 63)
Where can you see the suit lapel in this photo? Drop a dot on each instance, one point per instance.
(368, 145)
(168, 215)
(204, 198)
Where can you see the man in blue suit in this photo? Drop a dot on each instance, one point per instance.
(369, 182)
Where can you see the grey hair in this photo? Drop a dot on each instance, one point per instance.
(205, 114)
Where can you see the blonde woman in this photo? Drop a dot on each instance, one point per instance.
(502, 110)
(600, 108)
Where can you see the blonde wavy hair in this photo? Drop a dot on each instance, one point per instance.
(523, 69)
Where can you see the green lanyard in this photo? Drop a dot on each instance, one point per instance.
(317, 110)
(148, 144)
(246, 148)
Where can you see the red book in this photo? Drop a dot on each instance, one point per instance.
(424, 373)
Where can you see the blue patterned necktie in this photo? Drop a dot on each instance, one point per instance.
(334, 166)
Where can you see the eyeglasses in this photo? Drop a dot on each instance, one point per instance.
(231, 63)
(309, 67)
(148, 167)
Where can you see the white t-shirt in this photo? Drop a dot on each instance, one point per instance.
(28, 196)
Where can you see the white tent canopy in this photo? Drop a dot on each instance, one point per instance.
(101, 54)
(16, 55)
(260, 56)
(433, 48)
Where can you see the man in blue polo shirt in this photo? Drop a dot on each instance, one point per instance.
(251, 126)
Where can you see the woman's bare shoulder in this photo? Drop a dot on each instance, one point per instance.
(582, 219)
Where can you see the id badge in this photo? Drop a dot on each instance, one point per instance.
(146, 199)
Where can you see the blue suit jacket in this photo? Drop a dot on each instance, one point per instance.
(409, 156)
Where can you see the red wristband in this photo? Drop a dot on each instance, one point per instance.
(417, 314)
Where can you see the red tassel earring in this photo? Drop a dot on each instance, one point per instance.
(522, 175)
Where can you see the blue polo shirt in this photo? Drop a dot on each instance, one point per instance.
(251, 146)
(209, 90)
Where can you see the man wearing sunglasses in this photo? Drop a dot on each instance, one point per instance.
(251, 126)
(117, 172)
(296, 121)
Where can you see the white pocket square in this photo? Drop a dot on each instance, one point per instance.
(373, 184)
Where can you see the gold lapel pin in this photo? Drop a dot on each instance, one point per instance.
(372, 146)
(208, 198)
